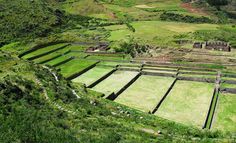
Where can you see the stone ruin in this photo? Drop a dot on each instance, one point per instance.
(197, 45)
(214, 45)
(101, 47)
(219, 46)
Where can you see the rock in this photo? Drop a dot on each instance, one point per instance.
(113, 113)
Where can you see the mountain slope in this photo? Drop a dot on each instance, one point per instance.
(25, 18)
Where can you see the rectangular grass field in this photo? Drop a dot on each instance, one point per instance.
(57, 60)
(74, 66)
(92, 75)
(146, 92)
(188, 103)
(225, 116)
(43, 50)
(115, 82)
(49, 56)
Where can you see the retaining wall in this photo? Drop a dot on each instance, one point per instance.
(105, 53)
(115, 95)
(208, 80)
(54, 57)
(63, 62)
(228, 90)
(158, 74)
(128, 69)
(81, 72)
(164, 97)
(229, 81)
(196, 73)
(229, 75)
(49, 52)
(171, 65)
(215, 96)
(169, 70)
(101, 79)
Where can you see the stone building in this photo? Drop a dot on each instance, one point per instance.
(218, 45)
(197, 45)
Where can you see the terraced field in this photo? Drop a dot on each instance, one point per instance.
(145, 93)
(115, 82)
(188, 103)
(43, 50)
(57, 60)
(92, 75)
(157, 89)
(225, 118)
(74, 66)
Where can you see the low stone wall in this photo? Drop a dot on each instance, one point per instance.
(63, 62)
(156, 69)
(183, 67)
(215, 93)
(112, 96)
(81, 72)
(101, 79)
(114, 54)
(57, 56)
(129, 65)
(49, 52)
(228, 90)
(39, 47)
(158, 74)
(164, 97)
(208, 80)
(215, 96)
(229, 81)
(196, 73)
(229, 75)
(115, 95)
(128, 69)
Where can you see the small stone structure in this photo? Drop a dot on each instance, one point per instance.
(100, 47)
(218, 45)
(197, 45)
(213, 45)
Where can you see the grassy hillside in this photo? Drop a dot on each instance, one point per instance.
(28, 19)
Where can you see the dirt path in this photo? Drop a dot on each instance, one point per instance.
(45, 93)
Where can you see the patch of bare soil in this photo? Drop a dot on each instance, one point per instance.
(143, 6)
(190, 8)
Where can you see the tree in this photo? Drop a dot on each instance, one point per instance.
(218, 3)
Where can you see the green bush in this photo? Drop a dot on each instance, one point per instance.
(168, 16)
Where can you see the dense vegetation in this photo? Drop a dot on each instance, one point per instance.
(25, 18)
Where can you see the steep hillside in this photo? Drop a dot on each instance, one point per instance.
(28, 19)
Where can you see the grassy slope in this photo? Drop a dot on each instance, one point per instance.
(27, 19)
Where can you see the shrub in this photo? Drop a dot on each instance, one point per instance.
(168, 16)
